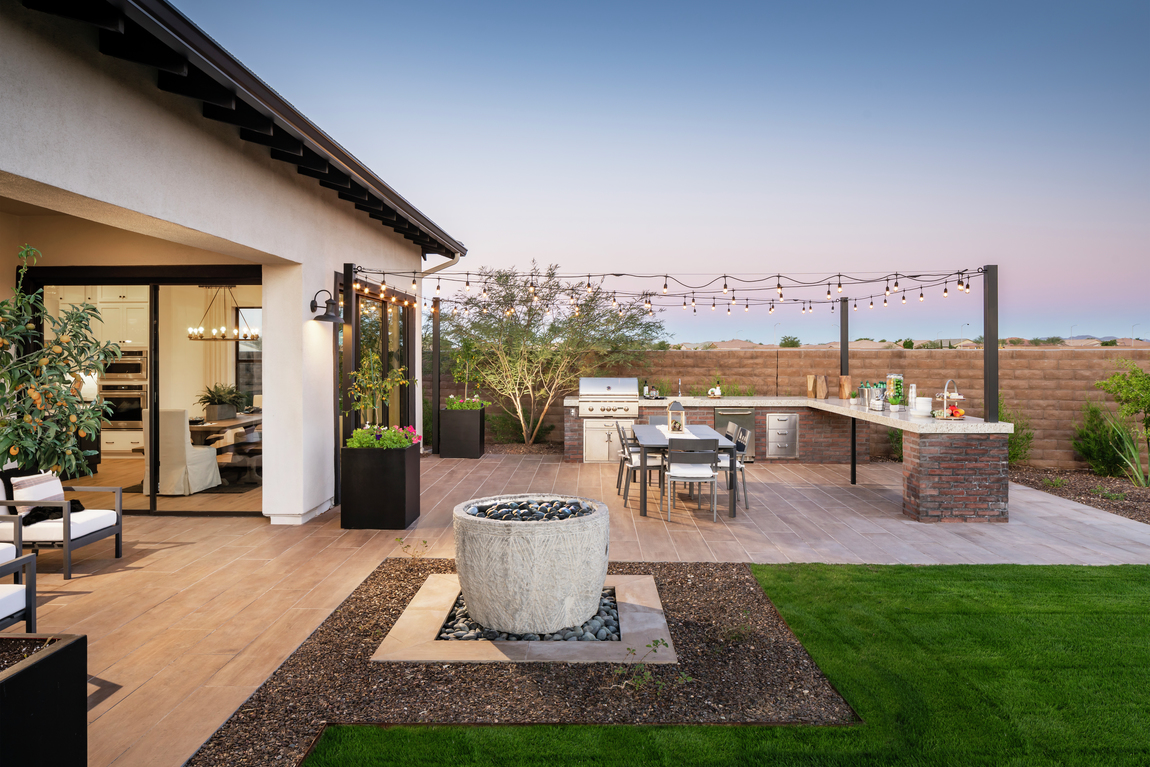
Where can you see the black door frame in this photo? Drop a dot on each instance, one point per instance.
(154, 276)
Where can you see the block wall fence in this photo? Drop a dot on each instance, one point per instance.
(1047, 385)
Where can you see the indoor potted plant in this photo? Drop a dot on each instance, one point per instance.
(854, 397)
(221, 402)
(379, 465)
(462, 421)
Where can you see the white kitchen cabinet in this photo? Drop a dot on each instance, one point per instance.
(121, 441)
(123, 324)
(123, 293)
(74, 295)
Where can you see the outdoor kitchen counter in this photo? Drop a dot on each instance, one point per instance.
(953, 471)
(902, 420)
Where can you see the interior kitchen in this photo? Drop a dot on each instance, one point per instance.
(203, 368)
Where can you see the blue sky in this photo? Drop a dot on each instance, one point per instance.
(752, 138)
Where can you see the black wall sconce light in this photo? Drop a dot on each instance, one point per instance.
(330, 312)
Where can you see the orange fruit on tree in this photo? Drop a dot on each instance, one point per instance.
(13, 450)
(72, 418)
(83, 433)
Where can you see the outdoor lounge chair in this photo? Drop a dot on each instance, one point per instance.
(17, 599)
(73, 530)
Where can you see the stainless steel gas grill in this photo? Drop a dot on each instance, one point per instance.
(602, 402)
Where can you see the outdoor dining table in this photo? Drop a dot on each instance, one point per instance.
(654, 438)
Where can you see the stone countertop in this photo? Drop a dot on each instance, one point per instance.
(901, 420)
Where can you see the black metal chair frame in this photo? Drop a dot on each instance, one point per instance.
(68, 544)
(744, 436)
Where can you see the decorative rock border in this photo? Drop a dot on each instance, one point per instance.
(531, 578)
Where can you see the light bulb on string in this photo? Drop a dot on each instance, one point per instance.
(485, 310)
(531, 287)
(467, 283)
(904, 298)
(572, 297)
(382, 283)
(413, 285)
(684, 303)
(728, 311)
(779, 286)
(712, 303)
(960, 280)
(747, 308)
(437, 287)
(485, 290)
(588, 284)
(872, 303)
(896, 282)
(884, 302)
(355, 285)
(811, 310)
(724, 284)
(840, 286)
(945, 292)
(613, 301)
(548, 312)
(967, 290)
(772, 309)
(921, 297)
(665, 278)
(887, 293)
(693, 299)
(732, 298)
(856, 306)
(828, 291)
(804, 311)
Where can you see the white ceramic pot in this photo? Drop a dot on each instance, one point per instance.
(854, 400)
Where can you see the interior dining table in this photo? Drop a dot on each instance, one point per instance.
(201, 431)
(653, 438)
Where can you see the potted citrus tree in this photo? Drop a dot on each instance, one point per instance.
(462, 420)
(379, 465)
(43, 415)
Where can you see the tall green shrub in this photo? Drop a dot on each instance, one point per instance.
(895, 437)
(1018, 443)
(1095, 440)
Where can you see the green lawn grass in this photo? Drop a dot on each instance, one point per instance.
(955, 665)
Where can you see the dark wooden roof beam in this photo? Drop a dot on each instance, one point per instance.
(98, 14)
(387, 215)
(279, 139)
(371, 205)
(197, 85)
(138, 45)
(305, 159)
(332, 176)
(244, 115)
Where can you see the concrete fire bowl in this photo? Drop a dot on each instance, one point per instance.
(531, 577)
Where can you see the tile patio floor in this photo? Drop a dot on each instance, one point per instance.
(201, 610)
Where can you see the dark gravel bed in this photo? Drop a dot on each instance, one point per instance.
(15, 649)
(747, 667)
(1089, 489)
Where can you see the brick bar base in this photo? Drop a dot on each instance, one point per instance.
(954, 477)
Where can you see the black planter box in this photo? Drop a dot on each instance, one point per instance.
(44, 700)
(379, 488)
(461, 433)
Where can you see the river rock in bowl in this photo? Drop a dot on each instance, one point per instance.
(537, 576)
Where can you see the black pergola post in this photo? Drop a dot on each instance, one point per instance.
(845, 370)
(990, 342)
(350, 348)
(435, 376)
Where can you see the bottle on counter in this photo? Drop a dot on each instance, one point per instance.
(645, 390)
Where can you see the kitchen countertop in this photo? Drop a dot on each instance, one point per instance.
(902, 420)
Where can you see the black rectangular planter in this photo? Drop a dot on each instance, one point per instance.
(379, 488)
(44, 699)
(461, 433)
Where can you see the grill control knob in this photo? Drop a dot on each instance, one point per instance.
(626, 408)
(602, 408)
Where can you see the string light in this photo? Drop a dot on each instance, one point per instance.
(829, 291)
(904, 298)
(467, 284)
(693, 300)
(684, 303)
(747, 308)
(724, 284)
(884, 302)
(896, 283)
(811, 310)
(920, 295)
(413, 286)
(945, 292)
(588, 284)
(804, 307)
(772, 309)
(887, 293)
(485, 290)
(856, 305)
(728, 311)
(355, 285)
(960, 275)
(840, 285)
(613, 301)
(437, 287)
(531, 287)
(779, 285)
(572, 297)
(967, 286)
(712, 304)
(732, 298)
(382, 283)
(872, 303)
(665, 278)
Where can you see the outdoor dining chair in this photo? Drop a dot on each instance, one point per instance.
(630, 464)
(657, 420)
(732, 430)
(691, 461)
(627, 448)
(741, 441)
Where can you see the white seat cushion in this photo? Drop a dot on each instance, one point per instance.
(654, 461)
(7, 550)
(11, 599)
(694, 471)
(52, 530)
(36, 487)
(725, 460)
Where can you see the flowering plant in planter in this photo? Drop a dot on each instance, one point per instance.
(395, 438)
(464, 403)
